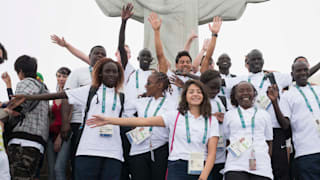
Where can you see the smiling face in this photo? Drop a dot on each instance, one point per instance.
(245, 95)
(224, 62)
(194, 95)
(300, 73)
(255, 61)
(184, 64)
(110, 74)
(145, 59)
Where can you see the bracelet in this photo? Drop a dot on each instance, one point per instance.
(214, 34)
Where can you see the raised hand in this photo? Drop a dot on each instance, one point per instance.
(155, 21)
(127, 12)
(60, 41)
(273, 92)
(193, 35)
(6, 78)
(176, 81)
(97, 120)
(216, 25)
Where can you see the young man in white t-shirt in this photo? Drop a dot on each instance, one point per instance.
(300, 109)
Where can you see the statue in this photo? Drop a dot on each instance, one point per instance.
(179, 18)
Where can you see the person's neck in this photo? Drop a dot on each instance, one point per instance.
(194, 110)
(245, 107)
(158, 95)
(255, 72)
(224, 71)
(302, 84)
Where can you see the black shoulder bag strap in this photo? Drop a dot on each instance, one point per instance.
(224, 101)
(92, 92)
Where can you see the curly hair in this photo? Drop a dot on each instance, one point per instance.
(97, 73)
(233, 93)
(205, 106)
(161, 78)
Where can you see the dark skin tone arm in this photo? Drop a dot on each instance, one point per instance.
(273, 95)
(125, 15)
(314, 69)
(66, 115)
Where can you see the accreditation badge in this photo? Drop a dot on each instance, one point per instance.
(138, 135)
(196, 163)
(263, 101)
(106, 130)
(240, 146)
(221, 144)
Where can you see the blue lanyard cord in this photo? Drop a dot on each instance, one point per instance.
(252, 120)
(137, 79)
(188, 129)
(103, 110)
(222, 91)
(156, 111)
(261, 83)
(305, 97)
(219, 107)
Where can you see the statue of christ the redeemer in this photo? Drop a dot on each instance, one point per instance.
(179, 18)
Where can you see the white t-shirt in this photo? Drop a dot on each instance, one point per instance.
(305, 136)
(233, 131)
(78, 78)
(159, 135)
(91, 143)
(217, 106)
(128, 73)
(181, 148)
(282, 80)
(223, 90)
(136, 84)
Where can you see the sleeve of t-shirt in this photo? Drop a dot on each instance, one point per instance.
(282, 79)
(214, 128)
(268, 132)
(226, 129)
(78, 96)
(170, 118)
(130, 107)
(72, 81)
(284, 105)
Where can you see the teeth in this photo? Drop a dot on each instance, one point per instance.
(246, 99)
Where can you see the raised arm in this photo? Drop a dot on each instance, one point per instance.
(215, 28)
(76, 52)
(273, 95)
(155, 22)
(126, 13)
(100, 120)
(7, 80)
(197, 61)
(314, 69)
(192, 36)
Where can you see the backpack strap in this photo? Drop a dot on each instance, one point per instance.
(122, 103)
(92, 92)
(224, 101)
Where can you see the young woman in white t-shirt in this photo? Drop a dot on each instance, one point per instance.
(248, 130)
(193, 136)
(149, 153)
(99, 154)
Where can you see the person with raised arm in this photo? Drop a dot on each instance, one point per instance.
(301, 114)
(193, 133)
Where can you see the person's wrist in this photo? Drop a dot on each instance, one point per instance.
(214, 34)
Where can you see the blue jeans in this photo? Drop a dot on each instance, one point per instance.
(178, 170)
(57, 161)
(97, 168)
(308, 167)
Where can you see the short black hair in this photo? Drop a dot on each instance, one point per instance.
(233, 93)
(182, 53)
(208, 75)
(97, 46)
(4, 54)
(64, 71)
(296, 59)
(27, 65)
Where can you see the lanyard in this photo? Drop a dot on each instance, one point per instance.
(137, 79)
(219, 107)
(104, 100)
(305, 98)
(188, 129)
(222, 90)
(261, 83)
(156, 111)
(252, 120)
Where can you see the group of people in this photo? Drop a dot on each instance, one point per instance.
(112, 121)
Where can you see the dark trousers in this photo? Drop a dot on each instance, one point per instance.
(240, 175)
(216, 175)
(143, 168)
(308, 166)
(178, 170)
(23, 162)
(75, 133)
(279, 158)
(97, 168)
